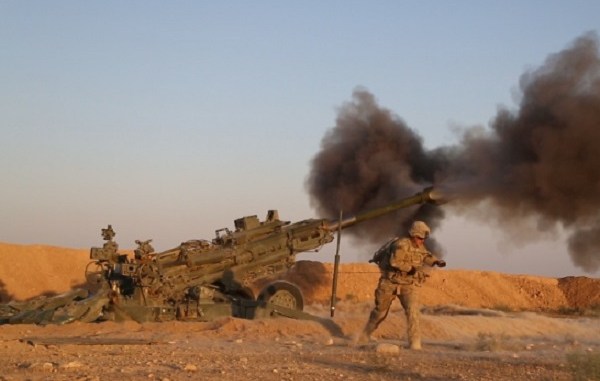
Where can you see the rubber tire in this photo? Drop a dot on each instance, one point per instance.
(282, 293)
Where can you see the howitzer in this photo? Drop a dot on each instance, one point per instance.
(201, 279)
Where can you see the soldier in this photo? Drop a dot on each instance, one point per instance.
(143, 250)
(401, 262)
(110, 247)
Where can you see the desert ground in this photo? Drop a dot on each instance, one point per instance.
(476, 326)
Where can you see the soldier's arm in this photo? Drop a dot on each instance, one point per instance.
(432, 260)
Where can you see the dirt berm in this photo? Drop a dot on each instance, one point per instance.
(27, 271)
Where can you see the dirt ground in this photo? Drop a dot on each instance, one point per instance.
(476, 326)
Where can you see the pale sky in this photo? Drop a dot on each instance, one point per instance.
(169, 120)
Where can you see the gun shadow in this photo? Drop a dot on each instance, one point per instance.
(5, 296)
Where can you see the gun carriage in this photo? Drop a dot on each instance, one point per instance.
(203, 279)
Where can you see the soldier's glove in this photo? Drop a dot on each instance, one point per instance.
(440, 263)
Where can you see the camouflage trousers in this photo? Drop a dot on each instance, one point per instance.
(384, 296)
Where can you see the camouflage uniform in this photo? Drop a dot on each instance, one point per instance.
(401, 274)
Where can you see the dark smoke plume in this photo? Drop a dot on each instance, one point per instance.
(369, 159)
(540, 162)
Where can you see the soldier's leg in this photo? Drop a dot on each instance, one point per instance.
(384, 295)
(410, 302)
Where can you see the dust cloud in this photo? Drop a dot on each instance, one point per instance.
(540, 162)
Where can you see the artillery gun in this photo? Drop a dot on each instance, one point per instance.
(201, 279)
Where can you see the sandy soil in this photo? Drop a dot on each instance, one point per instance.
(476, 326)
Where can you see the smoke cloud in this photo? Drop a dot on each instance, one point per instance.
(539, 162)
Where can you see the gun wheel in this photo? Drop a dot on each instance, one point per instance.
(284, 294)
(95, 272)
(148, 275)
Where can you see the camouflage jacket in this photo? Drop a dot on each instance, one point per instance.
(406, 262)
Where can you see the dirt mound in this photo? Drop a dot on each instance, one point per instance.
(475, 289)
(31, 270)
(580, 291)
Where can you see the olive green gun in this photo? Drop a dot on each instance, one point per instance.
(205, 279)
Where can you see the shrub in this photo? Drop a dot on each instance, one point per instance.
(584, 366)
(490, 342)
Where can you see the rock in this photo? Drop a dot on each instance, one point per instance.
(190, 368)
(45, 366)
(71, 365)
(387, 349)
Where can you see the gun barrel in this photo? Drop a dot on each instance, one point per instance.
(428, 195)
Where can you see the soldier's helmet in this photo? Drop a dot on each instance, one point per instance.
(419, 229)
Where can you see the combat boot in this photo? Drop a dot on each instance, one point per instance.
(365, 338)
(415, 344)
